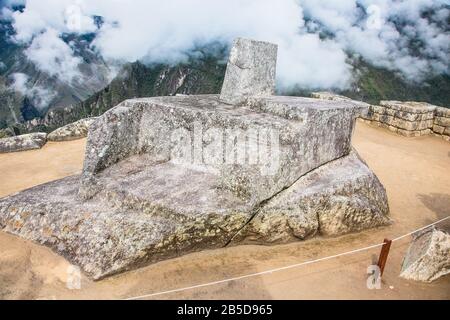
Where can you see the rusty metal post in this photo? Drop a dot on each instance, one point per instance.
(384, 255)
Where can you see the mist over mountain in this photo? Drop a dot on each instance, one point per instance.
(67, 56)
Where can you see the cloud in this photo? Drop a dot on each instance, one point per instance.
(385, 32)
(39, 96)
(54, 56)
(157, 31)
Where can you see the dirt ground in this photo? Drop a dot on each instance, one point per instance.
(415, 172)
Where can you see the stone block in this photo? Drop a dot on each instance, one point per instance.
(23, 143)
(409, 106)
(428, 257)
(72, 131)
(438, 129)
(251, 71)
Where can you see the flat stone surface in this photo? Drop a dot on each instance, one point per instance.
(72, 131)
(325, 95)
(251, 71)
(428, 257)
(22, 143)
(443, 112)
(151, 210)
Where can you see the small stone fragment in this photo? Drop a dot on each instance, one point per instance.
(428, 257)
(22, 143)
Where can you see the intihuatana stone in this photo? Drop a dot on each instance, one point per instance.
(428, 257)
(251, 71)
(22, 143)
(166, 176)
(72, 131)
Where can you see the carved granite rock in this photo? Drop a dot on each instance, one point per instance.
(22, 143)
(72, 131)
(428, 257)
(166, 176)
(251, 71)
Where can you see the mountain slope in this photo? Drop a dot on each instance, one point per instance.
(374, 84)
(38, 90)
(202, 73)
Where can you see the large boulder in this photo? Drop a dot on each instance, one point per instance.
(22, 143)
(428, 257)
(149, 210)
(166, 176)
(72, 131)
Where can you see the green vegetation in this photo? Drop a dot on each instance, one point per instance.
(375, 84)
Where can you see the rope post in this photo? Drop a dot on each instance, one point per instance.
(384, 255)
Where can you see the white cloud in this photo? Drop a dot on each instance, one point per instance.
(163, 31)
(54, 56)
(39, 96)
(385, 45)
(61, 15)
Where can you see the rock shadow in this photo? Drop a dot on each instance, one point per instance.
(439, 203)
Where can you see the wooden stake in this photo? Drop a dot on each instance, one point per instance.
(384, 255)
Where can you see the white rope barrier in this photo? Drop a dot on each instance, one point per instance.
(282, 268)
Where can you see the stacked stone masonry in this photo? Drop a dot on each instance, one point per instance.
(409, 119)
(441, 124)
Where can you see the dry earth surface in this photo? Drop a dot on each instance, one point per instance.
(415, 171)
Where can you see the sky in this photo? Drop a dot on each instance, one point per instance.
(164, 31)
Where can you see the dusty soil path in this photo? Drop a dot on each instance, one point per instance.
(22, 170)
(416, 173)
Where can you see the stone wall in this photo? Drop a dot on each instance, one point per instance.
(409, 119)
(441, 124)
